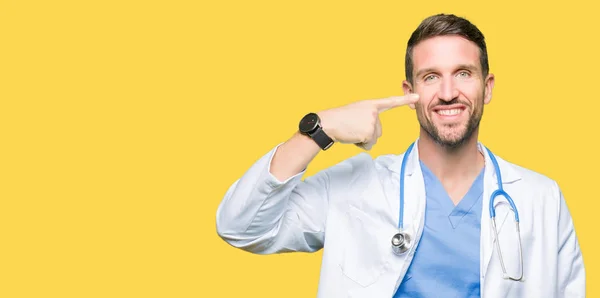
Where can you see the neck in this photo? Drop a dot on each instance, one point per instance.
(451, 165)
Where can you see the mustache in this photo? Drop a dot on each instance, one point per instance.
(448, 103)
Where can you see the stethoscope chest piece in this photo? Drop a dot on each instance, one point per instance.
(401, 242)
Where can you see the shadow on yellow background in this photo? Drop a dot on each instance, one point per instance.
(123, 123)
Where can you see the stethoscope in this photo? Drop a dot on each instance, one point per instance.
(401, 241)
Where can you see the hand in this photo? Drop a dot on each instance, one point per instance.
(358, 123)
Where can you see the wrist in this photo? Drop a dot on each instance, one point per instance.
(311, 126)
(326, 124)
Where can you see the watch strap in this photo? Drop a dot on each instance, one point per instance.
(322, 139)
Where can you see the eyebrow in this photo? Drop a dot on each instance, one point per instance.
(470, 67)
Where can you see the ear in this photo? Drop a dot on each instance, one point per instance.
(489, 85)
(407, 87)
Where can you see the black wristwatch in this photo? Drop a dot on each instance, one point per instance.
(310, 125)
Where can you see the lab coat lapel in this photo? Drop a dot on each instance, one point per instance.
(414, 190)
(502, 208)
(487, 237)
(414, 204)
(414, 198)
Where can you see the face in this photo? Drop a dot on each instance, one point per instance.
(448, 77)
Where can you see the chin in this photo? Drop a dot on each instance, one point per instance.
(451, 138)
(452, 133)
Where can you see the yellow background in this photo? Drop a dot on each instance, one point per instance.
(123, 123)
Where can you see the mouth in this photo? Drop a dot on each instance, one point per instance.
(450, 112)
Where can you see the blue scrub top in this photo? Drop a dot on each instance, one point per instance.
(446, 261)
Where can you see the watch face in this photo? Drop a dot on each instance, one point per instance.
(309, 123)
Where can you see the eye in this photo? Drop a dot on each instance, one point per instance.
(429, 78)
(464, 74)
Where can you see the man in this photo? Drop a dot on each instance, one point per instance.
(439, 194)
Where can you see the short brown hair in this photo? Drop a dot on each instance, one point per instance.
(446, 24)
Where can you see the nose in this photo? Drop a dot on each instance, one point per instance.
(448, 90)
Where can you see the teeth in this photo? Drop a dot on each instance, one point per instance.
(449, 112)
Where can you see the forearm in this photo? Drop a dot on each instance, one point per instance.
(293, 156)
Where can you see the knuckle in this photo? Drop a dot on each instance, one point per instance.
(366, 138)
(374, 113)
(373, 120)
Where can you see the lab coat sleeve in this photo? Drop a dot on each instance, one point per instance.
(571, 270)
(263, 215)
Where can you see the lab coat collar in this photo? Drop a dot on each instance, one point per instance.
(509, 174)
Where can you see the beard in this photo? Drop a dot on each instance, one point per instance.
(456, 135)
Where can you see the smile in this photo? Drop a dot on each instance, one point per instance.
(449, 112)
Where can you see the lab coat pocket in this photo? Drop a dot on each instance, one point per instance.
(366, 246)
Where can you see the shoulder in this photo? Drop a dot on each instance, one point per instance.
(531, 181)
(529, 175)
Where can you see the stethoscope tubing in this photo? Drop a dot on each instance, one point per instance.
(400, 247)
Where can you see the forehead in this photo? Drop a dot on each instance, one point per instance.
(445, 52)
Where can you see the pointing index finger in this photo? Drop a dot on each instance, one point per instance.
(395, 101)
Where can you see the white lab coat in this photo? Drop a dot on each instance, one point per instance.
(351, 210)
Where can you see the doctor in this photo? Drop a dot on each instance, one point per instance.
(455, 202)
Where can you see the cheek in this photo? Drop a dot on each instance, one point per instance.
(422, 110)
(424, 102)
(471, 90)
(426, 91)
(426, 95)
